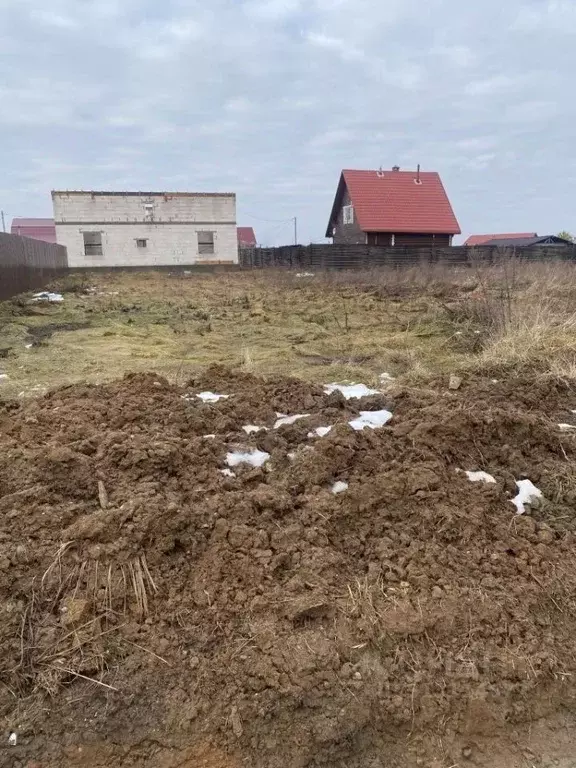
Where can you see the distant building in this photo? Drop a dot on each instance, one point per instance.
(246, 237)
(37, 229)
(484, 239)
(521, 241)
(108, 229)
(392, 208)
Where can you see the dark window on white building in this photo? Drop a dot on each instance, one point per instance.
(92, 243)
(142, 243)
(205, 242)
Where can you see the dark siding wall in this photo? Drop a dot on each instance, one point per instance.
(379, 238)
(27, 264)
(422, 241)
(348, 233)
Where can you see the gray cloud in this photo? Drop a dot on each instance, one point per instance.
(271, 98)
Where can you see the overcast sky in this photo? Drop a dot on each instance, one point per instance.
(272, 98)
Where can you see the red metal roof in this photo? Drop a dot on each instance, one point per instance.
(481, 239)
(37, 229)
(246, 236)
(399, 201)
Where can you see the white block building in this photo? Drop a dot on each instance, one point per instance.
(129, 229)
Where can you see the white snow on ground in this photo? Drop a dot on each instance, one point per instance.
(3, 375)
(209, 437)
(320, 432)
(283, 419)
(211, 397)
(480, 477)
(371, 419)
(255, 458)
(386, 378)
(252, 429)
(339, 487)
(227, 472)
(304, 274)
(55, 298)
(527, 492)
(566, 427)
(350, 391)
(28, 346)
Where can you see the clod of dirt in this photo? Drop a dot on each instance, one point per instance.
(178, 616)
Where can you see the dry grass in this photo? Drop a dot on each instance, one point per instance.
(413, 323)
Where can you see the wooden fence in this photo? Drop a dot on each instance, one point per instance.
(27, 264)
(319, 257)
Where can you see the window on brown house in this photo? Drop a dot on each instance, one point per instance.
(205, 242)
(348, 214)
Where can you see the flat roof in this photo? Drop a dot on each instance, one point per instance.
(97, 193)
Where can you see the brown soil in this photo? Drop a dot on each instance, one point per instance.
(155, 612)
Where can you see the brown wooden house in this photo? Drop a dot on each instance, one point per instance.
(392, 208)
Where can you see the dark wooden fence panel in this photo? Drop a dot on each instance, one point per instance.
(319, 257)
(27, 264)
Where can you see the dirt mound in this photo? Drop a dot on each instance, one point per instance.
(156, 610)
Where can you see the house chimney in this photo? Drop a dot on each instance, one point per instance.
(396, 168)
(418, 174)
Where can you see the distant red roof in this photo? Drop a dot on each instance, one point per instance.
(397, 201)
(37, 229)
(481, 239)
(246, 236)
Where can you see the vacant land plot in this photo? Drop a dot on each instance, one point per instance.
(409, 324)
(224, 566)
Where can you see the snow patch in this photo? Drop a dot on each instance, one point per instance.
(211, 397)
(54, 298)
(227, 472)
(320, 432)
(3, 375)
(350, 391)
(566, 427)
(386, 378)
(252, 429)
(255, 458)
(370, 419)
(209, 437)
(480, 477)
(304, 274)
(283, 419)
(527, 493)
(339, 487)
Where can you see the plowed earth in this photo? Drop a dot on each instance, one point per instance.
(156, 612)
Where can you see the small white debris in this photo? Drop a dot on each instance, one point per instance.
(227, 472)
(54, 298)
(252, 429)
(566, 427)
(211, 397)
(3, 375)
(339, 487)
(572, 411)
(320, 432)
(527, 493)
(371, 419)
(208, 437)
(13, 738)
(255, 458)
(304, 274)
(480, 477)
(28, 346)
(284, 420)
(350, 391)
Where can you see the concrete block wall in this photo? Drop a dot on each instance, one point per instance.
(169, 223)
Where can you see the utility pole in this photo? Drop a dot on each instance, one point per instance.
(3, 222)
(295, 230)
